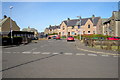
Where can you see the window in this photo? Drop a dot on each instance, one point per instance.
(88, 26)
(72, 27)
(93, 32)
(73, 33)
(78, 26)
(88, 32)
(63, 28)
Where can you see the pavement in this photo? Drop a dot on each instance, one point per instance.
(57, 59)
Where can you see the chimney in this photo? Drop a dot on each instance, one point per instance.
(68, 19)
(5, 16)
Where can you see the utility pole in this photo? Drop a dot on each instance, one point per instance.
(11, 24)
(80, 26)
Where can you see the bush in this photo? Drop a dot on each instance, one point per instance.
(95, 36)
(53, 34)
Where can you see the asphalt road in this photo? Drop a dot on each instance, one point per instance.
(56, 59)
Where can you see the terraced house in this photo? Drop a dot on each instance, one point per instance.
(52, 29)
(75, 27)
(111, 26)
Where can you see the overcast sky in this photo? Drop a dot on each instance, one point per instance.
(40, 15)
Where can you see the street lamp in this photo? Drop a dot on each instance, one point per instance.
(79, 24)
(11, 24)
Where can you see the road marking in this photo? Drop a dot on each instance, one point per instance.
(55, 53)
(26, 52)
(105, 55)
(80, 54)
(68, 53)
(45, 53)
(36, 53)
(6, 52)
(92, 55)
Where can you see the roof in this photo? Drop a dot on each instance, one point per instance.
(116, 15)
(75, 22)
(29, 29)
(104, 20)
(54, 27)
(3, 20)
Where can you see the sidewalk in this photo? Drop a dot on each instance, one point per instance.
(81, 46)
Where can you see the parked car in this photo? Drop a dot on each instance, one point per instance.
(57, 37)
(54, 37)
(113, 38)
(50, 37)
(70, 38)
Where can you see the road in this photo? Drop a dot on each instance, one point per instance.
(56, 59)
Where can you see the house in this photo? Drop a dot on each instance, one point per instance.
(111, 26)
(31, 30)
(5, 26)
(75, 27)
(52, 29)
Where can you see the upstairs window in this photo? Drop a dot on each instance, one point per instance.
(63, 28)
(88, 26)
(72, 27)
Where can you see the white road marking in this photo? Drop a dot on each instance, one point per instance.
(45, 53)
(36, 53)
(105, 55)
(80, 54)
(55, 53)
(26, 52)
(92, 55)
(68, 53)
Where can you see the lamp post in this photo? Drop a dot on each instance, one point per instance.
(80, 25)
(11, 24)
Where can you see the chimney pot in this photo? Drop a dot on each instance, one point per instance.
(5, 16)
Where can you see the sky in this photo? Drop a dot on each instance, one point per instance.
(40, 15)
